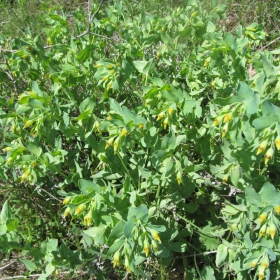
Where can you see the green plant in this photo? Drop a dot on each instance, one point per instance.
(146, 128)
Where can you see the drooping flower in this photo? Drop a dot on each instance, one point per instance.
(155, 246)
(268, 155)
(88, 218)
(116, 259)
(66, 200)
(155, 235)
(80, 209)
(262, 147)
(262, 217)
(227, 117)
(272, 230)
(277, 209)
(277, 142)
(146, 247)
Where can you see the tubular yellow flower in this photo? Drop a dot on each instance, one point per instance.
(109, 118)
(268, 155)
(155, 246)
(227, 117)
(179, 178)
(277, 209)
(109, 86)
(116, 144)
(79, 209)
(124, 132)
(116, 259)
(253, 263)
(225, 130)
(88, 219)
(165, 123)
(112, 72)
(110, 66)
(105, 78)
(170, 110)
(146, 247)
(66, 212)
(277, 142)
(225, 178)
(155, 235)
(272, 230)
(217, 121)
(66, 200)
(7, 149)
(126, 264)
(262, 147)
(262, 230)
(109, 142)
(28, 123)
(8, 161)
(262, 217)
(160, 116)
(265, 262)
(141, 126)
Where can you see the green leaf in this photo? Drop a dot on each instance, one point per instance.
(117, 231)
(190, 207)
(221, 255)
(178, 247)
(129, 226)
(252, 197)
(34, 149)
(228, 100)
(264, 122)
(269, 69)
(169, 141)
(207, 273)
(31, 266)
(97, 234)
(248, 96)
(85, 54)
(116, 246)
(235, 173)
(86, 105)
(88, 186)
(141, 213)
(5, 212)
(269, 194)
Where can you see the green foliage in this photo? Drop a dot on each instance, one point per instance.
(159, 134)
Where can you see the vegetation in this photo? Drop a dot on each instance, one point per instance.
(139, 145)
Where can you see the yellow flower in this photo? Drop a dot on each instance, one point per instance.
(170, 110)
(253, 263)
(146, 247)
(9, 160)
(105, 78)
(262, 217)
(66, 212)
(155, 246)
(109, 142)
(227, 117)
(28, 123)
(109, 86)
(98, 65)
(179, 178)
(165, 123)
(277, 209)
(262, 147)
(272, 230)
(268, 155)
(88, 219)
(116, 144)
(160, 116)
(116, 259)
(66, 200)
(225, 130)
(7, 149)
(217, 121)
(110, 66)
(126, 264)
(265, 262)
(141, 126)
(112, 72)
(262, 230)
(109, 118)
(277, 142)
(79, 209)
(155, 235)
(225, 178)
(124, 132)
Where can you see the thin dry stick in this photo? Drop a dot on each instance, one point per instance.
(51, 195)
(273, 41)
(7, 265)
(90, 20)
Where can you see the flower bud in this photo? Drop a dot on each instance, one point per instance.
(124, 132)
(141, 126)
(7, 149)
(253, 263)
(116, 144)
(165, 122)
(126, 264)
(8, 161)
(170, 110)
(261, 273)
(265, 262)
(225, 178)
(225, 129)
(179, 178)
(262, 147)
(28, 123)
(268, 155)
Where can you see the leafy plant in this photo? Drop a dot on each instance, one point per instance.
(160, 135)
